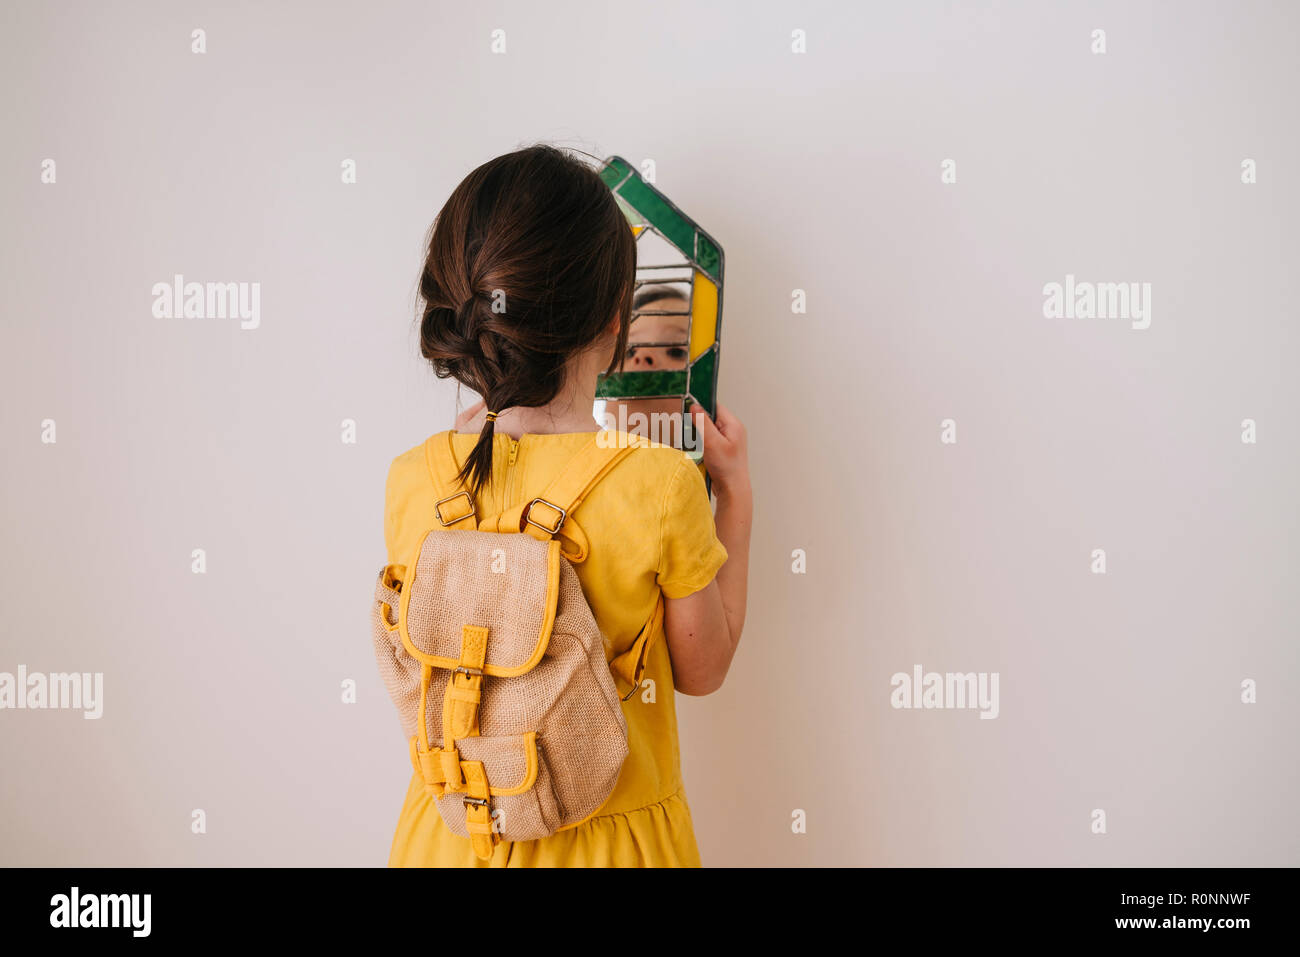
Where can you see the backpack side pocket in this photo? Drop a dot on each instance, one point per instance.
(522, 803)
(399, 671)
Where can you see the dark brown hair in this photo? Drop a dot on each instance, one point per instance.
(535, 233)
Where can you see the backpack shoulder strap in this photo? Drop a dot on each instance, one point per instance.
(454, 507)
(551, 513)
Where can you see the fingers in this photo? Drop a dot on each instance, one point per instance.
(728, 424)
(706, 427)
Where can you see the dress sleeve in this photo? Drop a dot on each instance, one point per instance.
(690, 553)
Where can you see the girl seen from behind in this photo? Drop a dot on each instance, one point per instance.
(526, 300)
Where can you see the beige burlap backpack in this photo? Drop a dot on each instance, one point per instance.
(490, 651)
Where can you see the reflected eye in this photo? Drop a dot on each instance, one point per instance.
(676, 352)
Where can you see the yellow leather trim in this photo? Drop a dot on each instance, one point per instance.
(550, 524)
(421, 722)
(393, 576)
(431, 768)
(440, 459)
(570, 827)
(464, 690)
(630, 665)
(447, 503)
(574, 533)
(478, 817)
(450, 664)
(530, 769)
(427, 764)
(570, 531)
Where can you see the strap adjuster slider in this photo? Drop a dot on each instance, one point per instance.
(437, 508)
(528, 516)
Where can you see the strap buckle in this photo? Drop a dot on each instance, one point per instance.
(528, 516)
(437, 508)
(477, 802)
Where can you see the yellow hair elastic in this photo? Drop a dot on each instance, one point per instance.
(491, 416)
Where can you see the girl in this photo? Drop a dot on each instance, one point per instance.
(527, 293)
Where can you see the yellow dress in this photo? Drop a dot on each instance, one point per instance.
(650, 529)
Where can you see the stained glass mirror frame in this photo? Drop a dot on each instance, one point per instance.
(648, 209)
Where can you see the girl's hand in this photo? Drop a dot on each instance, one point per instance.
(468, 415)
(726, 449)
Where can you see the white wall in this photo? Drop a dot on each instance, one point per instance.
(818, 172)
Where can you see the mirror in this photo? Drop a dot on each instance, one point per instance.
(673, 341)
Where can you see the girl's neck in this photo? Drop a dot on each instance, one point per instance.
(570, 411)
(554, 417)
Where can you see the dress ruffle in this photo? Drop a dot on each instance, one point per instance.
(658, 835)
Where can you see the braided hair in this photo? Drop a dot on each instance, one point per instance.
(529, 261)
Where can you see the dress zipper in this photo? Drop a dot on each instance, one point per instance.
(510, 475)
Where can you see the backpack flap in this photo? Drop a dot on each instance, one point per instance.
(508, 584)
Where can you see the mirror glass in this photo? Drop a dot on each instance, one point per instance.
(658, 342)
(673, 340)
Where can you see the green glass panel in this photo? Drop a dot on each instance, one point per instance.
(633, 217)
(660, 215)
(630, 385)
(614, 171)
(707, 258)
(702, 370)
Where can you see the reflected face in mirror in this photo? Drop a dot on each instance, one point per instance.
(658, 341)
(659, 329)
(660, 333)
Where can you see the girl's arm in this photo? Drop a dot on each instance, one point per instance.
(704, 629)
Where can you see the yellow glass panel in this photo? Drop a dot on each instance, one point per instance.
(637, 230)
(704, 315)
